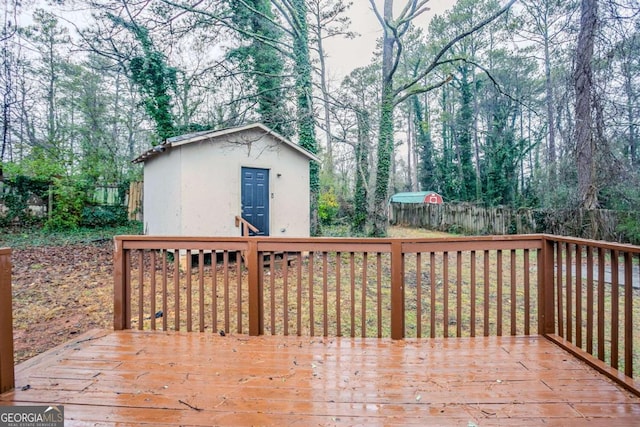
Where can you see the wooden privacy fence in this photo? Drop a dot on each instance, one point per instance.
(6, 323)
(569, 290)
(470, 218)
(134, 200)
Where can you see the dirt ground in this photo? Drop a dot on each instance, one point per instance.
(62, 291)
(59, 292)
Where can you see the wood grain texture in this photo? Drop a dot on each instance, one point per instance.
(177, 378)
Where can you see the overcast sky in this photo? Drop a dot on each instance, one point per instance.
(346, 55)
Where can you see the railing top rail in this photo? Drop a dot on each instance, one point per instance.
(181, 243)
(593, 243)
(363, 240)
(333, 244)
(409, 245)
(5, 251)
(470, 245)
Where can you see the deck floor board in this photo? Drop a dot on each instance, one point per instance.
(108, 378)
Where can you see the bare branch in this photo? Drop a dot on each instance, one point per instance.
(377, 13)
(422, 89)
(281, 47)
(436, 60)
(412, 10)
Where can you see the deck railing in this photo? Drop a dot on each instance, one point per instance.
(398, 288)
(6, 323)
(596, 300)
(332, 287)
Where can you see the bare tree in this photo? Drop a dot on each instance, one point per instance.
(328, 19)
(394, 28)
(546, 22)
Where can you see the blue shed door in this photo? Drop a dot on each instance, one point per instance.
(255, 199)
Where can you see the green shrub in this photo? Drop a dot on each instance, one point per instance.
(69, 198)
(630, 228)
(455, 229)
(328, 207)
(16, 195)
(104, 216)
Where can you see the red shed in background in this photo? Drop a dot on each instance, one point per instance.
(422, 197)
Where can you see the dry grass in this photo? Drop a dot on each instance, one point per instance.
(350, 294)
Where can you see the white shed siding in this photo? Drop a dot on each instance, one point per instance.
(162, 195)
(199, 184)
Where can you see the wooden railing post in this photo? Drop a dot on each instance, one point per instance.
(246, 226)
(256, 303)
(121, 289)
(7, 378)
(397, 291)
(546, 300)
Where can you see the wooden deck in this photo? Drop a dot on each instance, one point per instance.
(174, 378)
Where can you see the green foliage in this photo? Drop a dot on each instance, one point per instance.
(104, 216)
(360, 206)
(463, 140)
(501, 160)
(30, 237)
(69, 199)
(100, 157)
(385, 155)
(18, 190)
(455, 229)
(39, 164)
(153, 77)
(337, 230)
(426, 168)
(262, 61)
(629, 226)
(304, 105)
(328, 206)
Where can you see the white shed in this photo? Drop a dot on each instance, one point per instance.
(196, 184)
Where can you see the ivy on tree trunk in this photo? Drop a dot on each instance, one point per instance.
(154, 79)
(306, 122)
(358, 223)
(392, 44)
(385, 157)
(262, 60)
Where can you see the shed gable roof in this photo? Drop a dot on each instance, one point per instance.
(177, 141)
(411, 197)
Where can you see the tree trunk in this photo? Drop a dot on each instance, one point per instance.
(583, 80)
(551, 143)
(385, 130)
(464, 125)
(426, 168)
(324, 87)
(632, 144)
(7, 97)
(306, 123)
(360, 202)
(410, 136)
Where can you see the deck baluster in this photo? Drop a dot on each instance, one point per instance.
(565, 270)
(628, 314)
(7, 375)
